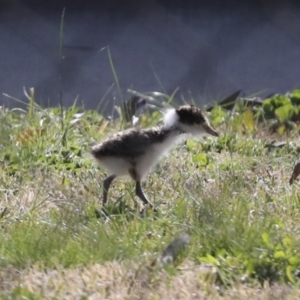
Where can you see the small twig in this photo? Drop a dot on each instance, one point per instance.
(134, 279)
(3, 213)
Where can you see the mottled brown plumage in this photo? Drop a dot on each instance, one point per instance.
(130, 143)
(135, 151)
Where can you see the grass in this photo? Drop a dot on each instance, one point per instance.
(231, 195)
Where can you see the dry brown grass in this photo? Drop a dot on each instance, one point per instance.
(126, 280)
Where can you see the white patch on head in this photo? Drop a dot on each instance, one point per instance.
(170, 118)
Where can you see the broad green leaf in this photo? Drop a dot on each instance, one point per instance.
(289, 274)
(287, 241)
(268, 108)
(280, 100)
(249, 266)
(201, 158)
(295, 97)
(266, 239)
(248, 120)
(284, 112)
(71, 166)
(279, 254)
(218, 115)
(209, 259)
(281, 129)
(192, 145)
(294, 260)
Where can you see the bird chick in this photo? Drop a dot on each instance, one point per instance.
(136, 151)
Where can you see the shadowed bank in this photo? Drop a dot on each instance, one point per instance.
(208, 49)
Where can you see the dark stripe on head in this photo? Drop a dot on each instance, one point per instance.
(190, 115)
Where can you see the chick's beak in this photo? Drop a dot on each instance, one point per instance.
(209, 130)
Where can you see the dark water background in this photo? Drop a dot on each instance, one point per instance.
(208, 49)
